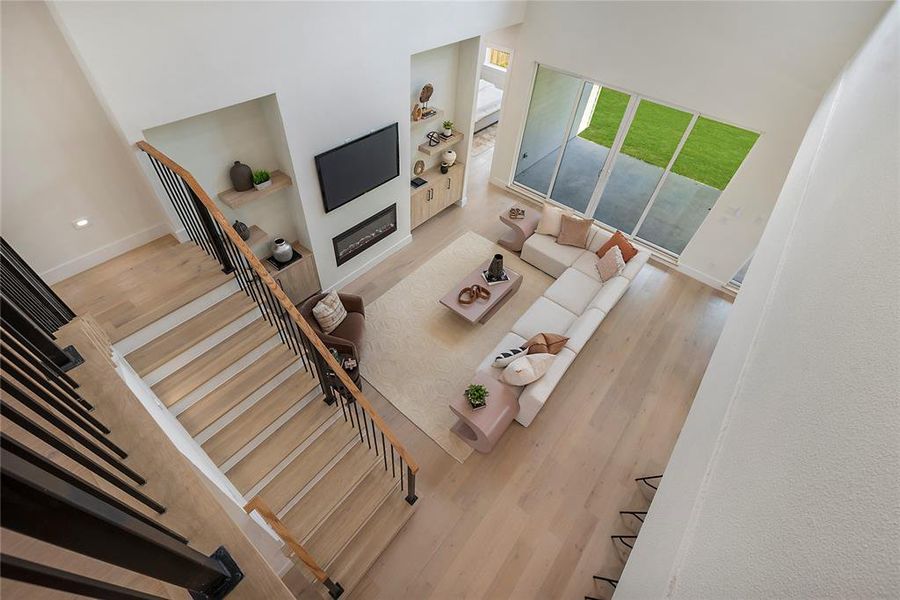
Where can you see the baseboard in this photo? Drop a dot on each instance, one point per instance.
(701, 276)
(103, 254)
(498, 182)
(370, 264)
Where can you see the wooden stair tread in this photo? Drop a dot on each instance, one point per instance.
(275, 448)
(255, 419)
(200, 370)
(319, 501)
(208, 409)
(348, 518)
(350, 566)
(307, 465)
(161, 350)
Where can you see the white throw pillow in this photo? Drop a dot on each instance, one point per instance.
(507, 356)
(527, 369)
(551, 221)
(611, 264)
(329, 312)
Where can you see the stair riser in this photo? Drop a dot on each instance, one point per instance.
(175, 318)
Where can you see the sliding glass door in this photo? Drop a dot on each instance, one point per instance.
(641, 166)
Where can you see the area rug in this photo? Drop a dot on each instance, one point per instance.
(484, 139)
(418, 354)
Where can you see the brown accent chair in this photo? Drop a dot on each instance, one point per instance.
(347, 337)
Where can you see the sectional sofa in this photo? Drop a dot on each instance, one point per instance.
(574, 306)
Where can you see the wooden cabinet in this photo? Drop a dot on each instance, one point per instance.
(442, 190)
(299, 279)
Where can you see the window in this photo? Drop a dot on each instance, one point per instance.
(647, 168)
(497, 58)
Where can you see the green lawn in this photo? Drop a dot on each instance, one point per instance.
(711, 154)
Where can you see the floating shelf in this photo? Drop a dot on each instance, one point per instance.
(435, 117)
(236, 199)
(257, 235)
(435, 150)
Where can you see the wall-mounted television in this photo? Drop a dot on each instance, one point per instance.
(349, 171)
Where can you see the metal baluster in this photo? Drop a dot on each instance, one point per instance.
(383, 451)
(209, 226)
(70, 398)
(23, 348)
(65, 313)
(410, 486)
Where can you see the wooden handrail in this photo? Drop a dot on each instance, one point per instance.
(260, 506)
(285, 302)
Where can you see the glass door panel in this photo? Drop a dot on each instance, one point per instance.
(708, 160)
(597, 120)
(553, 100)
(648, 148)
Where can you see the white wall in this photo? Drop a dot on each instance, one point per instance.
(783, 482)
(62, 159)
(339, 70)
(762, 65)
(502, 39)
(207, 145)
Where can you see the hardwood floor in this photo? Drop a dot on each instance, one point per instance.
(533, 518)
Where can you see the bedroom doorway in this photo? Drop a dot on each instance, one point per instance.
(492, 78)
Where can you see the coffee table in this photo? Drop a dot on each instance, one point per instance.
(481, 310)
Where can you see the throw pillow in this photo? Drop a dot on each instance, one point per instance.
(618, 239)
(610, 264)
(527, 369)
(329, 312)
(504, 358)
(546, 343)
(574, 231)
(550, 222)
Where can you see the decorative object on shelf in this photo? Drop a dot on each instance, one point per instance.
(448, 129)
(424, 97)
(444, 168)
(476, 395)
(470, 294)
(261, 180)
(417, 182)
(516, 213)
(416, 112)
(242, 230)
(449, 157)
(419, 167)
(434, 138)
(241, 176)
(281, 250)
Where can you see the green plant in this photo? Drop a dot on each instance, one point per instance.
(448, 124)
(260, 177)
(477, 395)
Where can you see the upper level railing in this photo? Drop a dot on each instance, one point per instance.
(210, 230)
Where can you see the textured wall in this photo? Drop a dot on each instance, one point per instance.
(783, 483)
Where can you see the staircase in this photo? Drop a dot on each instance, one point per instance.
(252, 386)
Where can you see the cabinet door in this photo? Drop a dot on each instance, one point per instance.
(456, 185)
(420, 206)
(441, 195)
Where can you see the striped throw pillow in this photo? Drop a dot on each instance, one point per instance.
(506, 357)
(329, 312)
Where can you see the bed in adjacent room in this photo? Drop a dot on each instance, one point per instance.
(487, 111)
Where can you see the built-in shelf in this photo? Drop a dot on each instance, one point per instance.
(436, 117)
(236, 199)
(436, 150)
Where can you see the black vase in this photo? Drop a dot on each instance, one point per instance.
(242, 230)
(241, 176)
(495, 271)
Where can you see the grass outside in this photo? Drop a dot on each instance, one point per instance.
(711, 154)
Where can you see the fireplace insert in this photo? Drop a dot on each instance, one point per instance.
(360, 237)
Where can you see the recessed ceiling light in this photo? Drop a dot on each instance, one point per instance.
(80, 223)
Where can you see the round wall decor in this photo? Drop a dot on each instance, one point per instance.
(427, 91)
(417, 113)
(419, 167)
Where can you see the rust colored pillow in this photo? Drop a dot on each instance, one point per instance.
(574, 231)
(546, 343)
(618, 239)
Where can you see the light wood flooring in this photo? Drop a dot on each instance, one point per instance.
(533, 518)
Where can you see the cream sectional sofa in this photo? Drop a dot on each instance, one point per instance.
(574, 306)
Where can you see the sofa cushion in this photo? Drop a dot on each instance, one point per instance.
(573, 290)
(633, 267)
(551, 220)
(330, 312)
(504, 357)
(574, 231)
(600, 237)
(527, 369)
(610, 293)
(583, 328)
(545, 343)
(587, 265)
(610, 264)
(619, 239)
(510, 340)
(543, 315)
(543, 252)
(535, 395)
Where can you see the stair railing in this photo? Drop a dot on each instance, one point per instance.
(210, 230)
(259, 505)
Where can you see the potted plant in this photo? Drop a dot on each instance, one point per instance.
(448, 128)
(261, 179)
(476, 394)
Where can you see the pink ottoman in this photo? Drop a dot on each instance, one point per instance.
(482, 428)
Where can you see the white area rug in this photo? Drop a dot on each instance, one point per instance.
(419, 354)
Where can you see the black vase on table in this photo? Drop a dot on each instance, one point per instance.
(495, 271)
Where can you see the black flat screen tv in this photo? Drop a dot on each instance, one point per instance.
(349, 171)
